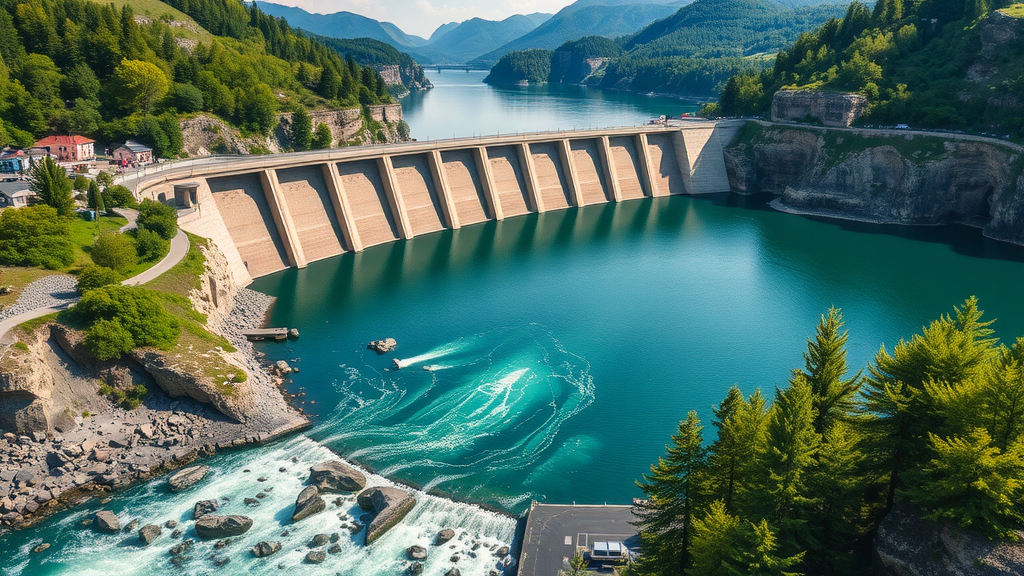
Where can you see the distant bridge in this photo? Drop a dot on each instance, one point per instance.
(267, 213)
(440, 67)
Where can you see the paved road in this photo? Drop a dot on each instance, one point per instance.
(131, 215)
(179, 247)
(553, 532)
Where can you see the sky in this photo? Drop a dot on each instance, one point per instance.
(422, 17)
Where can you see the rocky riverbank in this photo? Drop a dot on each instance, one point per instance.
(75, 443)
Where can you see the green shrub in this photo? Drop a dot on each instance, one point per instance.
(120, 318)
(240, 377)
(149, 245)
(108, 339)
(115, 251)
(81, 183)
(92, 277)
(118, 197)
(129, 400)
(159, 218)
(21, 346)
(35, 236)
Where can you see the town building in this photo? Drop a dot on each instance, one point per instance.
(132, 152)
(13, 162)
(15, 194)
(72, 148)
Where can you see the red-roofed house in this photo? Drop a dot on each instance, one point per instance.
(67, 148)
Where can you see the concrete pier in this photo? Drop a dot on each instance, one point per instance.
(268, 213)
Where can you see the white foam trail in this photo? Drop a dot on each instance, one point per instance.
(439, 352)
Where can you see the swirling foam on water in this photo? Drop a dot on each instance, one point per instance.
(485, 416)
(78, 550)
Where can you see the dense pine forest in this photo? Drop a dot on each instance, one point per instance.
(693, 52)
(950, 64)
(797, 483)
(76, 66)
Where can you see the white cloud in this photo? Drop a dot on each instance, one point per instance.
(422, 17)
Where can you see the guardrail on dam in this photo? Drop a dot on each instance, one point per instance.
(267, 213)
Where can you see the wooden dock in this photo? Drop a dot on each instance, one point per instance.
(266, 334)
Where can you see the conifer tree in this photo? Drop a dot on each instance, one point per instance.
(1003, 396)
(725, 545)
(792, 444)
(735, 454)
(835, 485)
(95, 198)
(973, 484)
(51, 183)
(302, 129)
(825, 371)
(908, 393)
(672, 488)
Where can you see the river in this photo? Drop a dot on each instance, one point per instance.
(547, 357)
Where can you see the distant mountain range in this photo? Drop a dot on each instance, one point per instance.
(482, 42)
(608, 18)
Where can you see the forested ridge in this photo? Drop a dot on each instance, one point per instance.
(924, 63)
(698, 48)
(76, 66)
(798, 483)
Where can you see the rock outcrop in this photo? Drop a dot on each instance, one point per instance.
(390, 505)
(214, 527)
(336, 476)
(908, 546)
(264, 549)
(831, 108)
(383, 346)
(307, 503)
(204, 508)
(187, 477)
(884, 177)
(149, 533)
(106, 521)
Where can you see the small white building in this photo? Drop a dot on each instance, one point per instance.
(15, 194)
(132, 152)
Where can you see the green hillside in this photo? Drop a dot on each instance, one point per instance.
(951, 64)
(76, 66)
(370, 52)
(694, 51)
(524, 66)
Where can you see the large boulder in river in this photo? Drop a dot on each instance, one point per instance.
(383, 346)
(390, 504)
(149, 533)
(264, 549)
(906, 545)
(106, 521)
(444, 536)
(186, 477)
(309, 502)
(336, 476)
(204, 508)
(216, 527)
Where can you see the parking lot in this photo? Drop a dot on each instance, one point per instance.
(554, 533)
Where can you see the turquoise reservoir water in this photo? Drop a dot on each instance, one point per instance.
(460, 104)
(550, 357)
(562, 350)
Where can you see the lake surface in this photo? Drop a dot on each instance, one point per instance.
(461, 105)
(545, 357)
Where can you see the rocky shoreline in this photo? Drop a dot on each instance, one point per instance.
(89, 454)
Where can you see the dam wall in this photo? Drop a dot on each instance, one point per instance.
(268, 213)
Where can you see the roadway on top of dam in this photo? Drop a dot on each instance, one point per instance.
(224, 165)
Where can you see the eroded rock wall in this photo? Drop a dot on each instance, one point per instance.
(832, 109)
(888, 178)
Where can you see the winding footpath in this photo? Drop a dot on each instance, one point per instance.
(177, 252)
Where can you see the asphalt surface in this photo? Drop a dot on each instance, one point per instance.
(553, 533)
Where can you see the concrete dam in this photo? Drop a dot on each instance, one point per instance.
(268, 213)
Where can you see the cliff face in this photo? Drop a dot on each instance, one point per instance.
(831, 109)
(908, 546)
(888, 178)
(205, 135)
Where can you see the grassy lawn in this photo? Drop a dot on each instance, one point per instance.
(156, 9)
(196, 347)
(84, 233)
